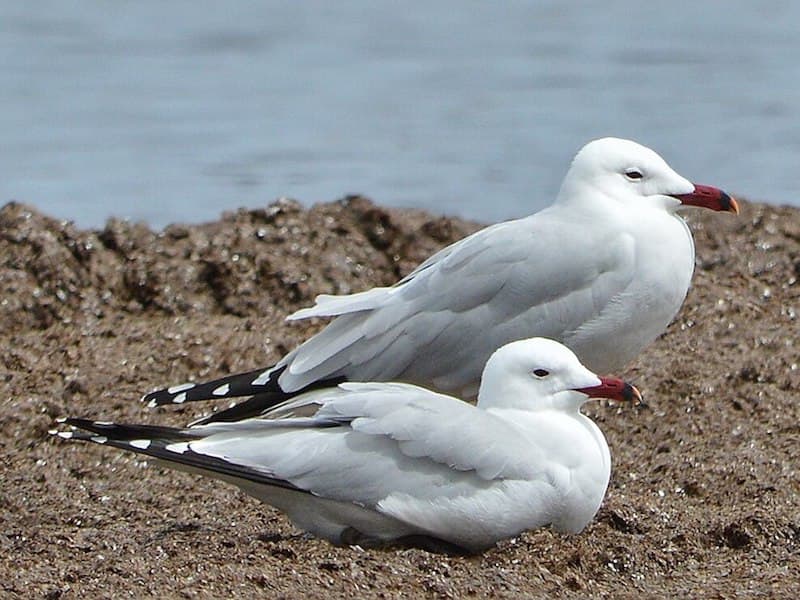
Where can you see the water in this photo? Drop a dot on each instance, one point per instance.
(176, 111)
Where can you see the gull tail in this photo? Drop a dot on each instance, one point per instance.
(261, 384)
(232, 386)
(262, 403)
(171, 445)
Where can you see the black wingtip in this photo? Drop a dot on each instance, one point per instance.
(167, 444)
(262, 402)
(120, 431)
(232, 386)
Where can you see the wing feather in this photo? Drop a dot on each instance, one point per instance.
(400, 438)
(362, 443)
(512, 280)
(438, 326)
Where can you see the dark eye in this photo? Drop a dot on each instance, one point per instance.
(633, 174)
(541, 373)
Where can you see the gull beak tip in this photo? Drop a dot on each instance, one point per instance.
(632, 394)
(733, 206)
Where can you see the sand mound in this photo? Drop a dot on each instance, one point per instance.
(705, 493)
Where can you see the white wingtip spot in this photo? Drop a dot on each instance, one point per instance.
(65, 434)
(61, 420)
(178, 447)
(222, 390)
(152, 403)
(264, 377)
(141, 444)
(53, 432)
(99, 439)
(180, 398)
(180, 388)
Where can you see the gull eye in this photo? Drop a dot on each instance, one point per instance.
(633, 174)
(541, 373)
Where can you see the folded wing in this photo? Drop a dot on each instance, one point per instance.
(438, 326)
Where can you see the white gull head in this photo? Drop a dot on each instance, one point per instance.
(634, 176)
(539, 374)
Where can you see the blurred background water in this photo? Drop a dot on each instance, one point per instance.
(176, 111)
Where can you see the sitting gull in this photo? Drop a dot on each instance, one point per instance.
(372, 463)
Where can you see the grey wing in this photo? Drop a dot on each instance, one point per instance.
(439, 325)
(367, 441)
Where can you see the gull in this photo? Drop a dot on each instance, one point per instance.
(375, 463)
(603, 270)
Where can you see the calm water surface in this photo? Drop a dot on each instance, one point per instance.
(176, 111)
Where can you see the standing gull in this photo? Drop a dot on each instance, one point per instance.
(382, 462)
(603, 270)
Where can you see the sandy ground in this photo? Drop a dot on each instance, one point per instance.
(705, 488)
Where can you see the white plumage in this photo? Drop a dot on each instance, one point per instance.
(377, 462)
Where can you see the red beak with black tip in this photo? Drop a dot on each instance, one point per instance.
(709, 197)
(614, 389)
